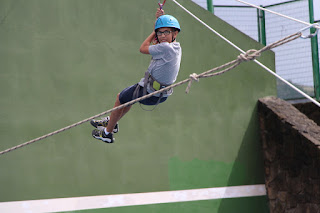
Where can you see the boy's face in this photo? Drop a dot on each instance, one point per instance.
(166, 34)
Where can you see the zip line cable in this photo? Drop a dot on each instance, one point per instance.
(256, 61)
(314, 25)
(244, 56)
(279, 14)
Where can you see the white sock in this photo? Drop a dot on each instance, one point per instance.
(105, 131)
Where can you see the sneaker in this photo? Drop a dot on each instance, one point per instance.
(104, 123)
(101, 135)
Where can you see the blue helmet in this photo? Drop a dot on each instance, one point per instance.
(167, 21)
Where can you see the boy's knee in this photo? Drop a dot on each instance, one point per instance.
(118, 97)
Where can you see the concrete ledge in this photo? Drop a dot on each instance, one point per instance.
(291, 149)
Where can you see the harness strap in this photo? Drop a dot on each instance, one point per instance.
(149, 80)
(145, 82)
(136, 92)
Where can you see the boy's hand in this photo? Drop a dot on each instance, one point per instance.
(159, 13)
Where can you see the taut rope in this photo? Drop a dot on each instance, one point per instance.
(248, 56)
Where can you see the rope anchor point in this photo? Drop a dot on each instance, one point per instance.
(249, 55)
(315, 25)
(193, 77)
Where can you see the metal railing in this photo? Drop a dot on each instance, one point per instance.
(297, 62)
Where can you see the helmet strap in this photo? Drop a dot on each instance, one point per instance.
(173, 39)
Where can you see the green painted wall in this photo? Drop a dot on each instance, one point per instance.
(64, 61)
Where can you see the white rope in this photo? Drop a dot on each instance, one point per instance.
(207, 26)
(245, 56)
(249, 55)
(256, 61)
(279, 14)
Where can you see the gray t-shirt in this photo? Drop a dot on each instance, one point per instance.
(165, 62)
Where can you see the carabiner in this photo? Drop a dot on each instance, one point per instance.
(161, 5)
(308, 27)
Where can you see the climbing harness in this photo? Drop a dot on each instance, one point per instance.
(161, 4)
(244, 56)
(153, 85)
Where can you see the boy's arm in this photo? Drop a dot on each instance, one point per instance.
(144, 48)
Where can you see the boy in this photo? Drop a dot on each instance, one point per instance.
(162, 71)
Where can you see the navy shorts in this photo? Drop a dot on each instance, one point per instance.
(127, 95)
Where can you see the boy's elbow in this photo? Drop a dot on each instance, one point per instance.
(144, 50)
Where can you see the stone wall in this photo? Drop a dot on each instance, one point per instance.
(291, 149)
(309, 109)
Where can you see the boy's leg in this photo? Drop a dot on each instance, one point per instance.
(116, 115)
